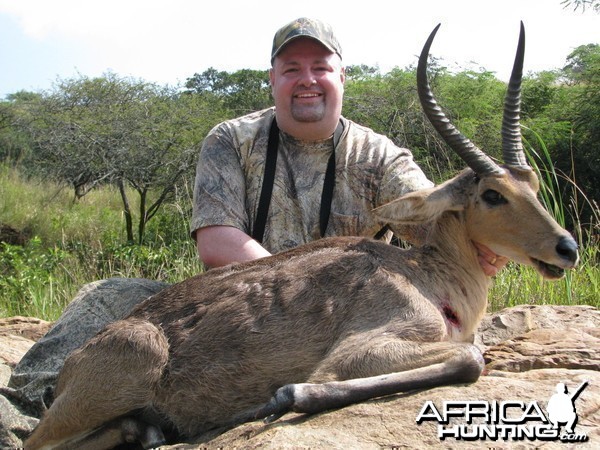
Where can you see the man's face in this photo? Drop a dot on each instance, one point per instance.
(307, 81)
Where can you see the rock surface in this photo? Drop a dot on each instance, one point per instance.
(528, 350)
(17, 336)
(390, 422)
(27, 327)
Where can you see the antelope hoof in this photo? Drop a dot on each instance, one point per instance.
(280, 404)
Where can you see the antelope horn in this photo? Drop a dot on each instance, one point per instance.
(473, 156)
(512, 147)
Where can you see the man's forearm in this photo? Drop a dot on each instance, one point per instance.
(222, 245)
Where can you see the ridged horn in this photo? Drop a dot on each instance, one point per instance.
(473, 156)
(512, 147)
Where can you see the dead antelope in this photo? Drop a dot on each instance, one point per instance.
(322, 326)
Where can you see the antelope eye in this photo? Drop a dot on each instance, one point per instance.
(493, 198)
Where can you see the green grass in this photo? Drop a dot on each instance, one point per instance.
(74, 243)
(47, 210)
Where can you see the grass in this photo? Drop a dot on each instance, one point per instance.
(74, 243)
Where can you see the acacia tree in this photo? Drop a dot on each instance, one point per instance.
(119, 131)
(163, 149)
(241, 92)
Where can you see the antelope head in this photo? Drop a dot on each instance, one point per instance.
(500, 204)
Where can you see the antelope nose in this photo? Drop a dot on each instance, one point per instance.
(567, 249)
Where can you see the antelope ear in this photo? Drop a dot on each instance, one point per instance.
(421, 206)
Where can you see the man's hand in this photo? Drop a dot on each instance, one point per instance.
(490, 262)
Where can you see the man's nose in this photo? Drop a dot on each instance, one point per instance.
(307, 78)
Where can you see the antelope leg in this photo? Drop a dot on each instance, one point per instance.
(464, 366)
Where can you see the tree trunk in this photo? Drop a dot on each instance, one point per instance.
(126, 210)
(143, 215)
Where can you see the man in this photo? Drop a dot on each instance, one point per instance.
(307, 79)
(304, 129)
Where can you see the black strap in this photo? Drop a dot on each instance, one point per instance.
(264, 202)
(258, 230)
(329, 182)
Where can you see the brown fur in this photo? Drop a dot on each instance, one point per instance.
(214, 349)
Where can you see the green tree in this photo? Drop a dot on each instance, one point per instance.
(474, 101)
(360, 72)
(389, 104)
(241, 92)
(583, 71)
(15, 145)
(562, 108)
(120, 131)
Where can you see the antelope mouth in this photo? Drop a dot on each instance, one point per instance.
(547, 270)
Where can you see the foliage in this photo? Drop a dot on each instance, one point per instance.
(40, 281)
(562, 106)
(15, 145)
(583, 70)
(27, 271)
(111, 130)
(564, 110)
(71, 244)
(241, 92)
(388, 103)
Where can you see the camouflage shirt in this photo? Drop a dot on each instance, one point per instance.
(370, 171)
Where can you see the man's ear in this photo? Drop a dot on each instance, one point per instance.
(271, 77)
(421, 206)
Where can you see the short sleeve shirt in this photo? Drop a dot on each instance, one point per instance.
(370, 171)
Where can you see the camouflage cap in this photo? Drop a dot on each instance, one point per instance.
(304, 27)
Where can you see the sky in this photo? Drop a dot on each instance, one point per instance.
(166, 42)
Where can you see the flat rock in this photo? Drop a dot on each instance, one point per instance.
(511, 322)
(28, 327)
(547, 348)
(17, 336)
(12, 349)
